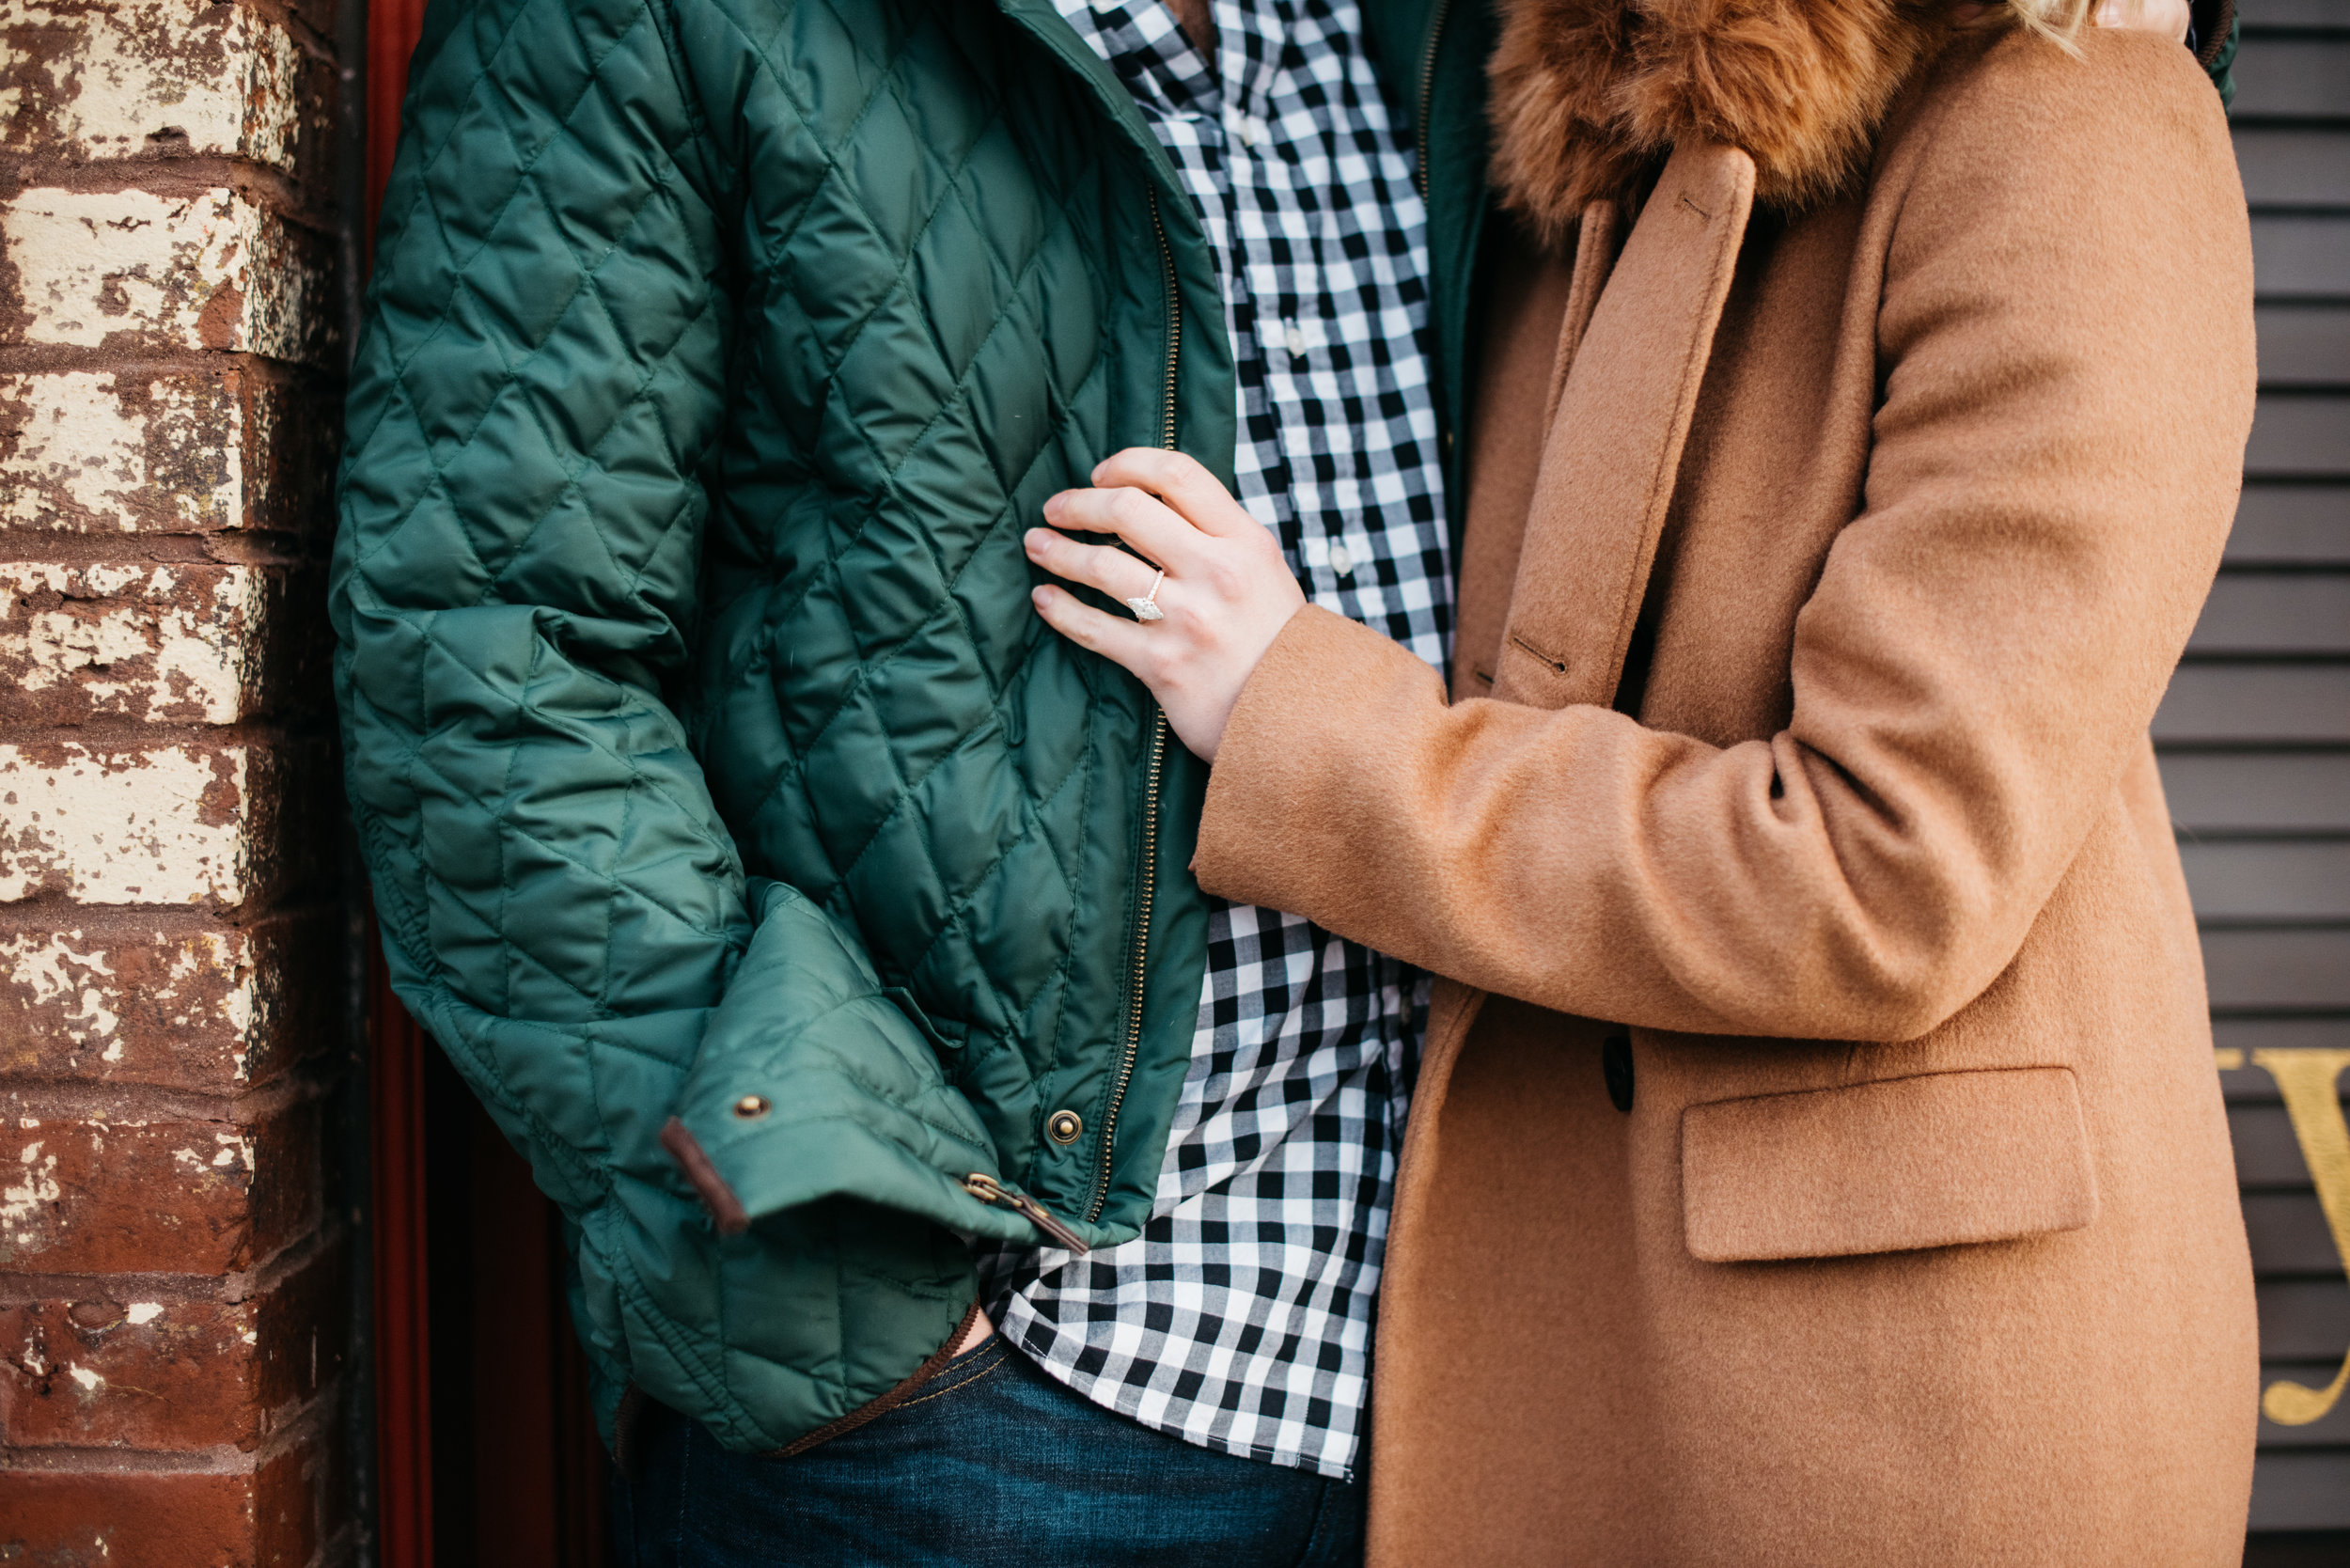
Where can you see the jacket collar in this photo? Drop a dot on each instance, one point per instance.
(1590, 95)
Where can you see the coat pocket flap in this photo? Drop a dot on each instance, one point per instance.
(1894, 1166)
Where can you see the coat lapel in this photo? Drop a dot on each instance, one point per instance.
(1613, 448)
(1598, 240)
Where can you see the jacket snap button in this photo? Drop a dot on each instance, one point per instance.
(1064, 1126)
(1614, 1064)
(752, 1106)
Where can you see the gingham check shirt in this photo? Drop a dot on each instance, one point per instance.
(1240, 1318)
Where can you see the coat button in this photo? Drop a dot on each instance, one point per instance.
(1614, 1065)
(752, 1106)
(1064, 1126)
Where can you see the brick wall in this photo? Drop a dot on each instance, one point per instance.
(173, 1288)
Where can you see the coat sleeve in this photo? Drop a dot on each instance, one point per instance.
(540, 384)
(2066, 355)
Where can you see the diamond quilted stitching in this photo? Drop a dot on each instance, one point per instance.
(914, 346)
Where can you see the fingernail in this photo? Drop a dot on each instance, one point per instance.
(1033, 540)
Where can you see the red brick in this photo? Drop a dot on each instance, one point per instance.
(234, 444)
(170, 642)
(205, 824)
(91, 1196)
(288, 1501)
(203, 1006)
(266, 1517)
(165, 79)
(171, 1375)
(127, 1519)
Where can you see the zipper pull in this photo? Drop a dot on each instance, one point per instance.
(984, 1187)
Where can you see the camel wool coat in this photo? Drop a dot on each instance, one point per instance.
(1817, 1157)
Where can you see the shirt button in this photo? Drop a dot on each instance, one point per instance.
(1295, 339)
(1341, 560)
(1253, 131)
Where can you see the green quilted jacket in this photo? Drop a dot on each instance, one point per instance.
(798, 903)
(705, 755)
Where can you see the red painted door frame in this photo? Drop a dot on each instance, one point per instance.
(403, 1361)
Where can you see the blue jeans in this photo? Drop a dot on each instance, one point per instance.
(992, 1462)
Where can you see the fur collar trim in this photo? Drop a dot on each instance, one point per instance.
(1588, 95)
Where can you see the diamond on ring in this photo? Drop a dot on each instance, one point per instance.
(1147, 607)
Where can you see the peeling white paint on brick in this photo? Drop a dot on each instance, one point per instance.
(46, 969)
(162, 826)
(233, 1151)
(93, 452)
(20, 1199)
(213, 954)
(90, 1381)
(222, 956)
(141, 1313)
(198, 1002)
(116, 81)
(177, 647)
(131, 267)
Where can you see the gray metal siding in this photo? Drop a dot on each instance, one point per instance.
(2255, 732)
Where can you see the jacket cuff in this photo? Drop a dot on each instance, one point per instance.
(1295, 756)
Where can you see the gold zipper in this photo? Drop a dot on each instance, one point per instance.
(987, 1190)
(1142, 949)
(1174, 320)
(1149, 868)
(1428, 90)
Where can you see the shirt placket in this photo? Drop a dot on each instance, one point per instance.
(1278, 138)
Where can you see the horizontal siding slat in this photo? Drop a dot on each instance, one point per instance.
(2259, 14)
(2271, 612)
(2266, 1153)
(2302, 1489)
(2262, 14)
(2259, 792)
(2292, 78)
(2304, 345)
(2290, 1236)
(2274, 1034)
(2278, 971)
(2269, 878)
(2298, 256)
(2293, 168)
(2299, 435)
(2297, 524)
(2218, 702)
(2304, 1319)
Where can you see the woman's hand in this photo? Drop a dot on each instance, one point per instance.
(1226, 596)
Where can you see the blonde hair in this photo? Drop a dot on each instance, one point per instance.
(2057, 21)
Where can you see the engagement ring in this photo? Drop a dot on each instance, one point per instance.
(1147, 607)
